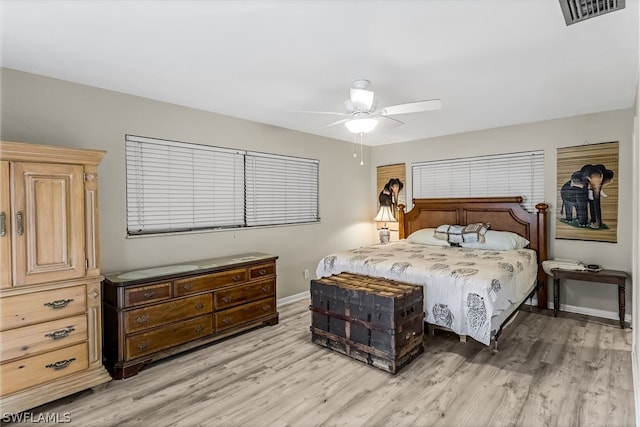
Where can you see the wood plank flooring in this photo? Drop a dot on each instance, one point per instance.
(567, 371)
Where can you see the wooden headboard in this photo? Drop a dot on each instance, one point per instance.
(503, 213)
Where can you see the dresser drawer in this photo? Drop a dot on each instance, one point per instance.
(161, 314)
(236, 295)
(245, 313)
(42, 337)
(147, 294)
(37, 307)
(209, 281)
(264, 270)
(35, 370)
(168, 336)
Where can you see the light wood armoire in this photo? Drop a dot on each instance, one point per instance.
(50, 301)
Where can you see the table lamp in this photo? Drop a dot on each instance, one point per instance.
(385, 214)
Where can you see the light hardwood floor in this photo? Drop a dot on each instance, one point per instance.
(565, 371)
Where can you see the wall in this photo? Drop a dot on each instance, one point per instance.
(636, 250)
(41, 110)
(549, 135)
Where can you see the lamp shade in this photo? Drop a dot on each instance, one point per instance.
(364, 125)
(385, 215)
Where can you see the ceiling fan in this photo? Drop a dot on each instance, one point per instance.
(362, 114)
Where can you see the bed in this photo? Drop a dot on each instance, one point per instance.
(472, 290)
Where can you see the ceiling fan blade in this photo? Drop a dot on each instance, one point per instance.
(394, 120)
(333, 113)
(386, 123)
(412, 107)
(334, 123)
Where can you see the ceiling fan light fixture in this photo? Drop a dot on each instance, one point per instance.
(364, 125)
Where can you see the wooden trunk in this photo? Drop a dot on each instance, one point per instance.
(374, 320)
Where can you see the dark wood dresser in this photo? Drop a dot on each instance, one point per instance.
(158, 312)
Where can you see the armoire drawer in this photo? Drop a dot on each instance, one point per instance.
(37, 307)
(168, 336)
(160, 314)
(209, 282)
(229, 297)
(226, 319)
(42, 337)
(30, 371)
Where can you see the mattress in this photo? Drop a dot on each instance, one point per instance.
(464, 288)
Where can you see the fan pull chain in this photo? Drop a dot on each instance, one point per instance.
(355, 145)
(361, 142)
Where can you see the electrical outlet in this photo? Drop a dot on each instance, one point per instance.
(305, 273)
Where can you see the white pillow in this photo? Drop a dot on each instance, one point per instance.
(426, 236)
(499, 241)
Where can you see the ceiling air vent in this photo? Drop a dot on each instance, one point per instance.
(579, 10)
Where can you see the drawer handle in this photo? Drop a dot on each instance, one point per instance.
(226, 320)
(142, 319)
(149, 294)
(266, 289)
(3, 224)
(409, 335)
(199, 306)
(143, 345)
(187, 287)
(236, 278)
(57, 304)
(227, 298)
(262, 271)
(60, 364)
(61, 333)
(266, 308)
(19, 223)
(199, 328)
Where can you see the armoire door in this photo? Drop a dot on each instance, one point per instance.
(5, 227)
(47, 206)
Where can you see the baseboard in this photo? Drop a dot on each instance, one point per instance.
(605, 314)
(293, 298)
(636, 382)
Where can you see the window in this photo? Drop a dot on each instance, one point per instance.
(514, 174)
(280, 190)
(176, 186)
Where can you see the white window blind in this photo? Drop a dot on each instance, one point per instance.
(280, 190)
(514, 174)
(177, 186)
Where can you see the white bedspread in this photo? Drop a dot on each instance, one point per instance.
(463, 288)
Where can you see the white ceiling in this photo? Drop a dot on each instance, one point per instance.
(492, 62)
